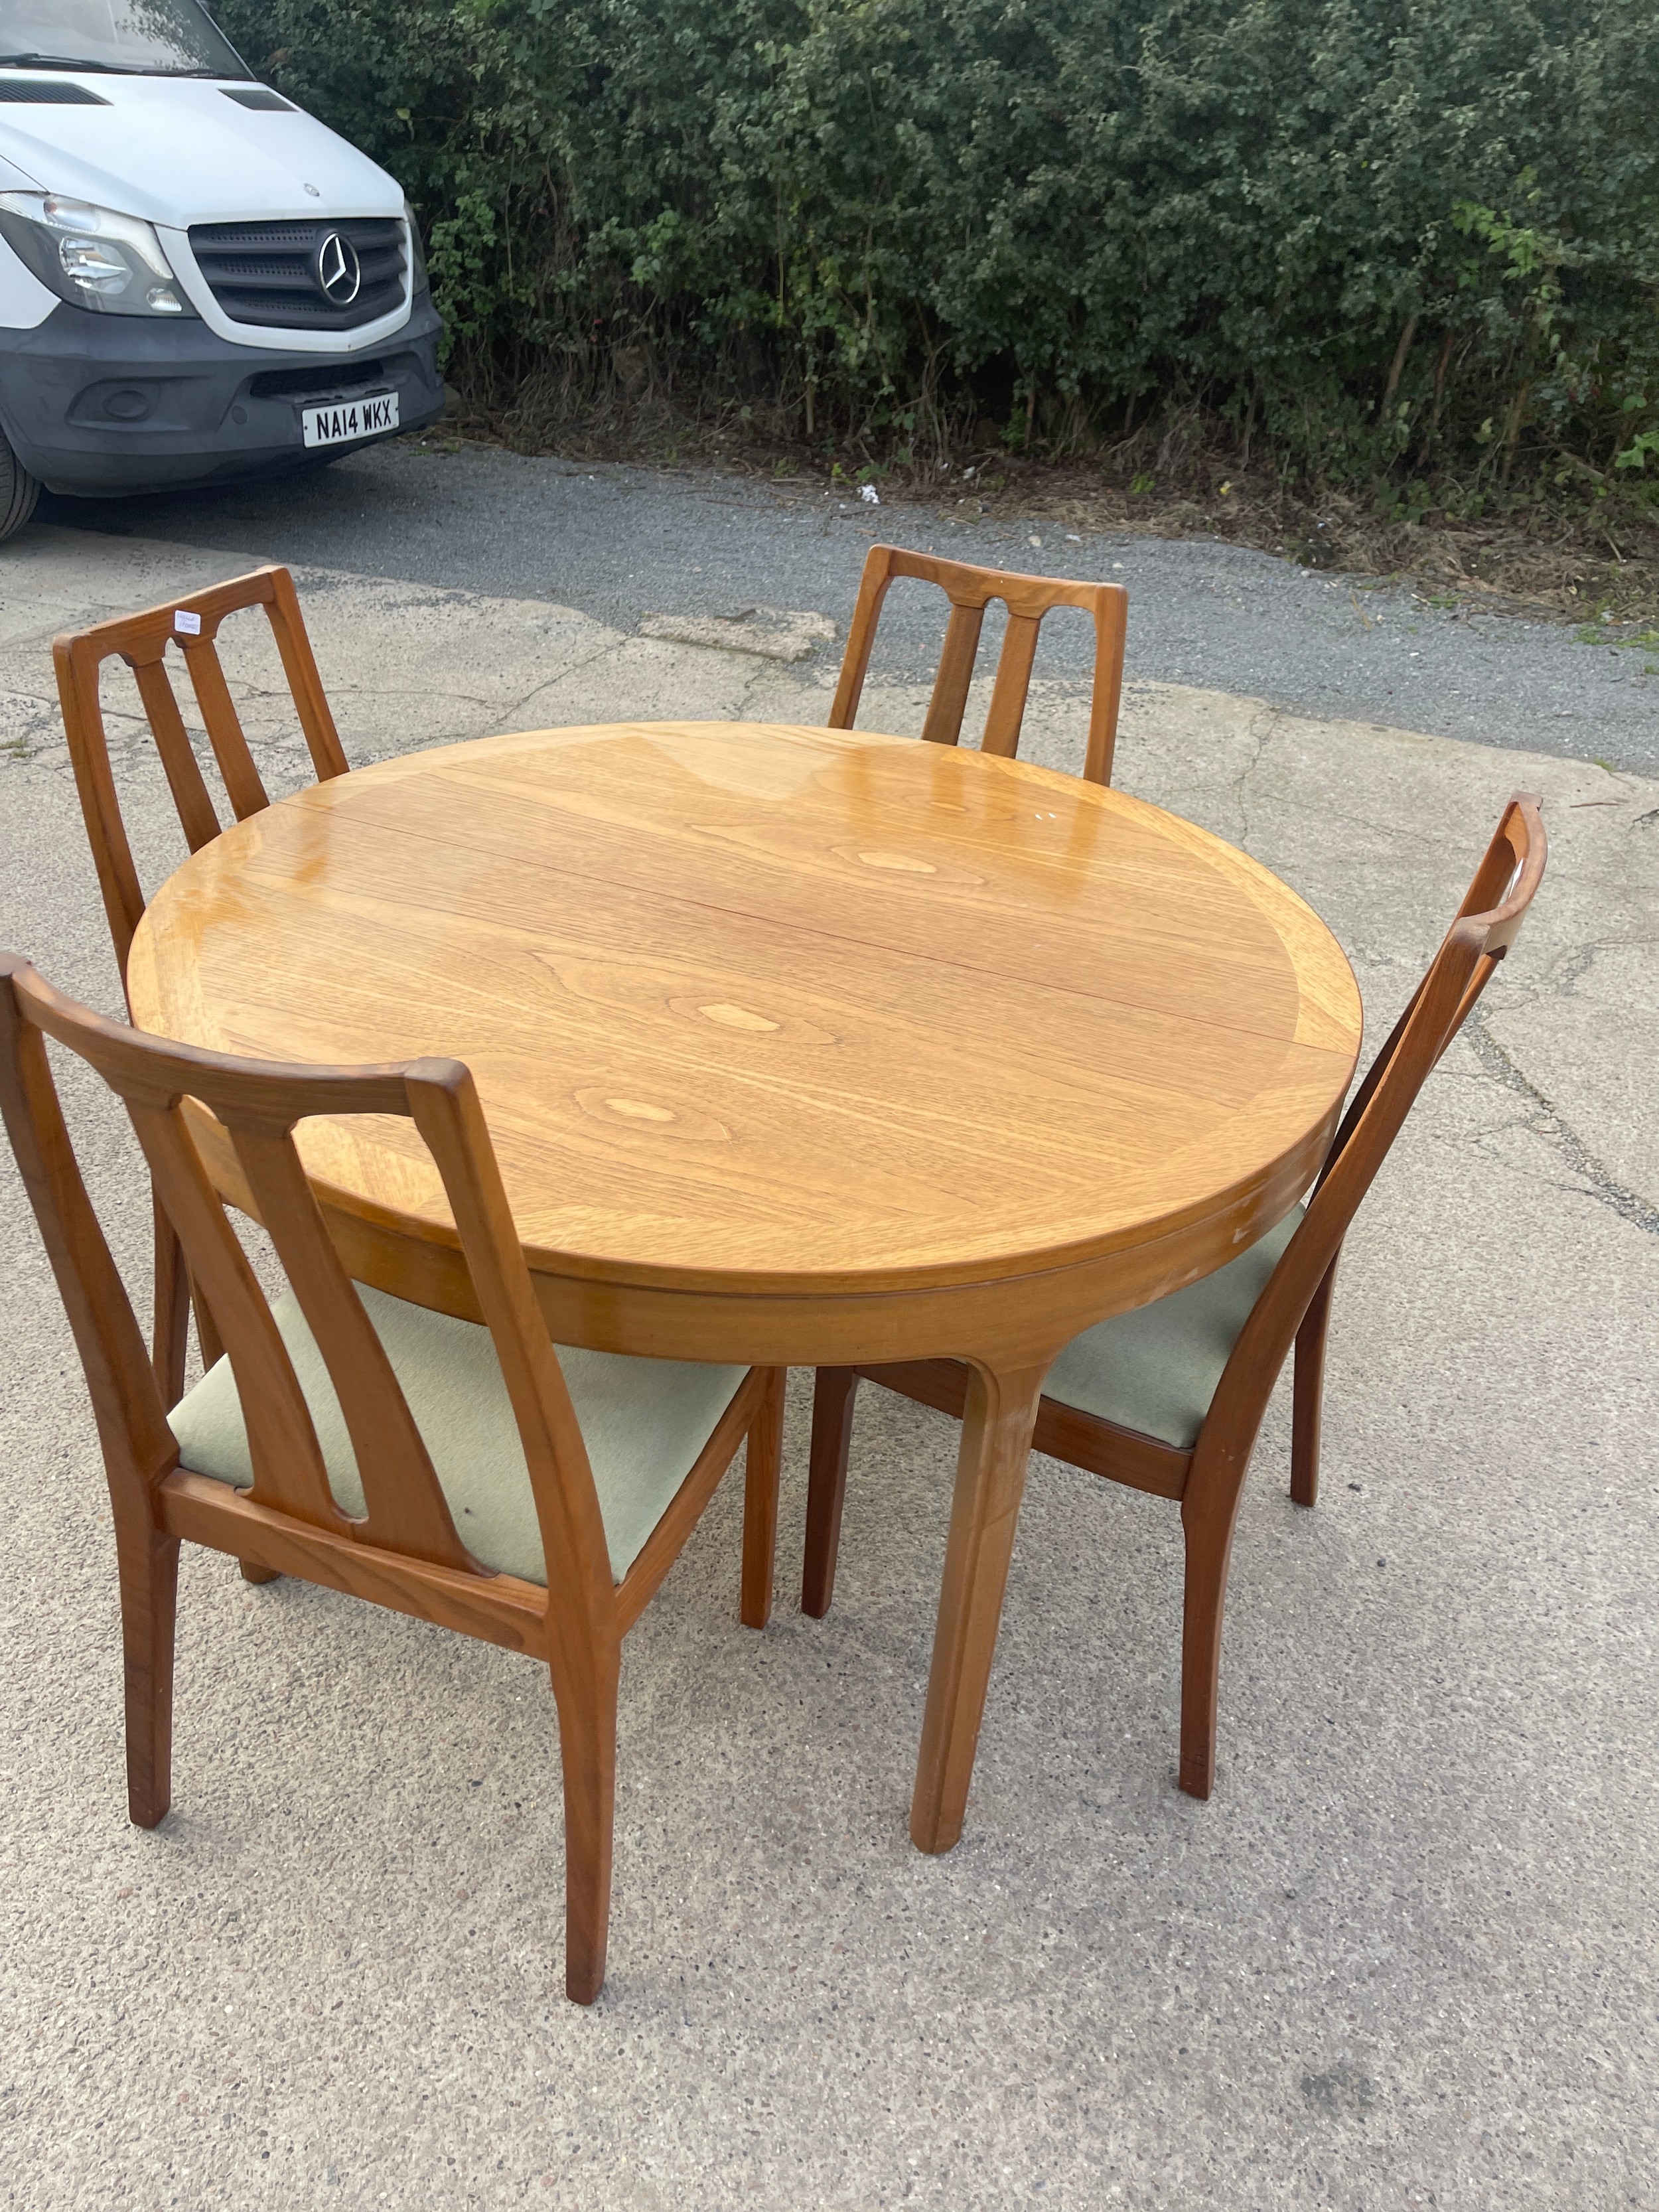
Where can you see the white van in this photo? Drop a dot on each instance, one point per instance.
(198, 279)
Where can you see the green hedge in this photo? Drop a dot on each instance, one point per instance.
(1409, 235)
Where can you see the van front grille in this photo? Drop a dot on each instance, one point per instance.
(300, 276)
(332, 379)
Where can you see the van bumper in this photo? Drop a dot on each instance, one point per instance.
(97, 405)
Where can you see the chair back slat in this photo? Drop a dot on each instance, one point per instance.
(443, 1103)
(196, 816)
(258, 1104)
(246, 794)
(949, 703)
(1013, 684)
(970, 591)
(142, 640)
(288, 1472)
(406, 1509)
(1479, 936)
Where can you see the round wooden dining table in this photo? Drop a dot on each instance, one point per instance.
(797, 1047)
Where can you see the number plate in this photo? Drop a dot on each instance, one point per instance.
(352, 419)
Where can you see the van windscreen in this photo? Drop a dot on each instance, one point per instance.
(133, 38)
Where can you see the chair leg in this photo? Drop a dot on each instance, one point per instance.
(1209, 1549)
(763, 1465)
(1308, 1393)
(148, 1562)
(588, 1751)
(170, 1339)
(833, 1393)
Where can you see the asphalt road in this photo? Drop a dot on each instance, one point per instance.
(621, 543)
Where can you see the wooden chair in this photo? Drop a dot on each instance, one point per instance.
(1169, 1398)
(466, 1475)
(970, 591)
(142, 640)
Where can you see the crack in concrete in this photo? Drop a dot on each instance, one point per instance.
(559, 677)
(1569, 969)
(1263, 728)
(1548, 1121)
(753, 683)
(1564, 971)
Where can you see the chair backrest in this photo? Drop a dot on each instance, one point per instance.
(970, 591)
(142, 641)
(258, 1104)
(1486, 925)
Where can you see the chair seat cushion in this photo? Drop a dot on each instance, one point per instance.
(644, 1423)
(1156, 1370)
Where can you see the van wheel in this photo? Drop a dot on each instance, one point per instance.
(18, 491)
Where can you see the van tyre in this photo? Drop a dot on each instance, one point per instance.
(18, 491)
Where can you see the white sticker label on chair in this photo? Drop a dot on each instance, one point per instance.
(188, 623)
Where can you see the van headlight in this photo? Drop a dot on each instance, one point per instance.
(418, 278)
(91, 256)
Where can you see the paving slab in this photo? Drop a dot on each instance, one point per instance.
(1404, 1956)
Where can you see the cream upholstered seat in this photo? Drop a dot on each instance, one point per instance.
(644, 1422)
(1156, 1370)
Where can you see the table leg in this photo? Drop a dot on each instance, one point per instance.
(996, 1440)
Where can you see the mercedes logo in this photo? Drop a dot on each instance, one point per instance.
(339, 273)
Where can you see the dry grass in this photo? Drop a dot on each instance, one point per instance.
(1535, 560)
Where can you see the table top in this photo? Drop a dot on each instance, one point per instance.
(763, 1006)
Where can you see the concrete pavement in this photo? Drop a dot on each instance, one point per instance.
(1403, 1957)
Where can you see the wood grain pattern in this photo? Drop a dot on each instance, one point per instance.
(796, 1046)
(1294, 1307)
(693, 984)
